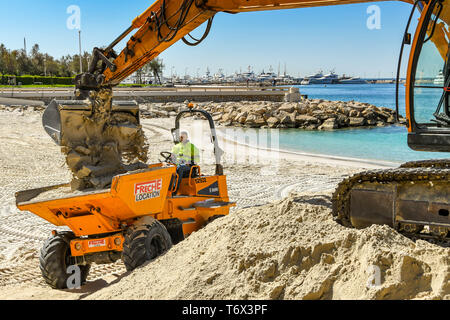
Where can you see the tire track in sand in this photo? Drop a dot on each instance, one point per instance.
(25, 233)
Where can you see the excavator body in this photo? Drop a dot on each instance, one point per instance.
(415, 198)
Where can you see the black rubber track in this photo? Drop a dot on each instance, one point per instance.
(430, 171)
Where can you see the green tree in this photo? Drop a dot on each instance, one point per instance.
(156, 67)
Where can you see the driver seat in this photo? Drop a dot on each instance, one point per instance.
(195, 174)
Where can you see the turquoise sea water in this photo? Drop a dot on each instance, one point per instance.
(387, 143)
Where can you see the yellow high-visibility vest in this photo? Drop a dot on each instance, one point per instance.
(186, 152)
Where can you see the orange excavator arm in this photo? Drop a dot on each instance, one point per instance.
(164, 23)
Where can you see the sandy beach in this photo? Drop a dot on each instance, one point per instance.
(280, 242)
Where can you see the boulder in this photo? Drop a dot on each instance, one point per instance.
(354, 114)
(313, 106)
(287, 121)
(382, 115)
(359, 107)
(226, 117)
(287, 107)
(369, 115)
(320, 114)
(303, 120)
(312, 127)
(386, 110)
(329, 124)
(342, 121)
(241, 117)
(250, 120)
(259, 110)
(391, 120)
(161, 114)
(345, 111)
(260, 121)
(273, 122)
(169, 107)
(302, 108)
(357, 122)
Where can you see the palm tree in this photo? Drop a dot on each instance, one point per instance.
(156, 66)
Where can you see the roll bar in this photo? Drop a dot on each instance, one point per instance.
(217, 151)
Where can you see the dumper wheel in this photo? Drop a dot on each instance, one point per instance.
(145, 242)
(55, 260)
(214, 218)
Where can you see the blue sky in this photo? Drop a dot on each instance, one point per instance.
(306, 40)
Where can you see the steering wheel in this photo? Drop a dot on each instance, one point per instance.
(167, 156)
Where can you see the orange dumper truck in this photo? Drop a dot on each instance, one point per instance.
(138, 219)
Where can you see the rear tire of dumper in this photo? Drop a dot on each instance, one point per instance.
(214, 218)
(145, 242)
(55, 260)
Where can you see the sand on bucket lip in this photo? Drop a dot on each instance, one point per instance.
(284, 246)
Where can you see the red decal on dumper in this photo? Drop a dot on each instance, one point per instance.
(97, 243)
(148, 190)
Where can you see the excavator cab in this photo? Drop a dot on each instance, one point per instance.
(428, 81)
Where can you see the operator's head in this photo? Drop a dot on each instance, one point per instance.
(184, 137)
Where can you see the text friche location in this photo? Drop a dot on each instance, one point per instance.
(148, 190)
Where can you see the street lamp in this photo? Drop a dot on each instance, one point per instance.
(79, 42)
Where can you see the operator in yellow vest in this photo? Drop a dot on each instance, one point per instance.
(185, 155)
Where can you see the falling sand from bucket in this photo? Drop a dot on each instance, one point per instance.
(102, 142)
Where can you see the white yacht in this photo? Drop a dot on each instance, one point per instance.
(313, 79)
(351, 80)
(330, 78)
(266, 76)
(219, 76)
(439, 80)
(305, 82)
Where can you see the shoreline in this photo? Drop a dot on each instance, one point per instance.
(322, 158)
(303, 156)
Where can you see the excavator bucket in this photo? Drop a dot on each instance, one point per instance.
(62, 117)
(51, 120)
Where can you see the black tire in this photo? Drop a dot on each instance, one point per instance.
(55, 259)
(175, 229)
(144, 243)
(214, 218)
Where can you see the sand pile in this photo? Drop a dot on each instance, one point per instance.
(103, 144)
(291, 249)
